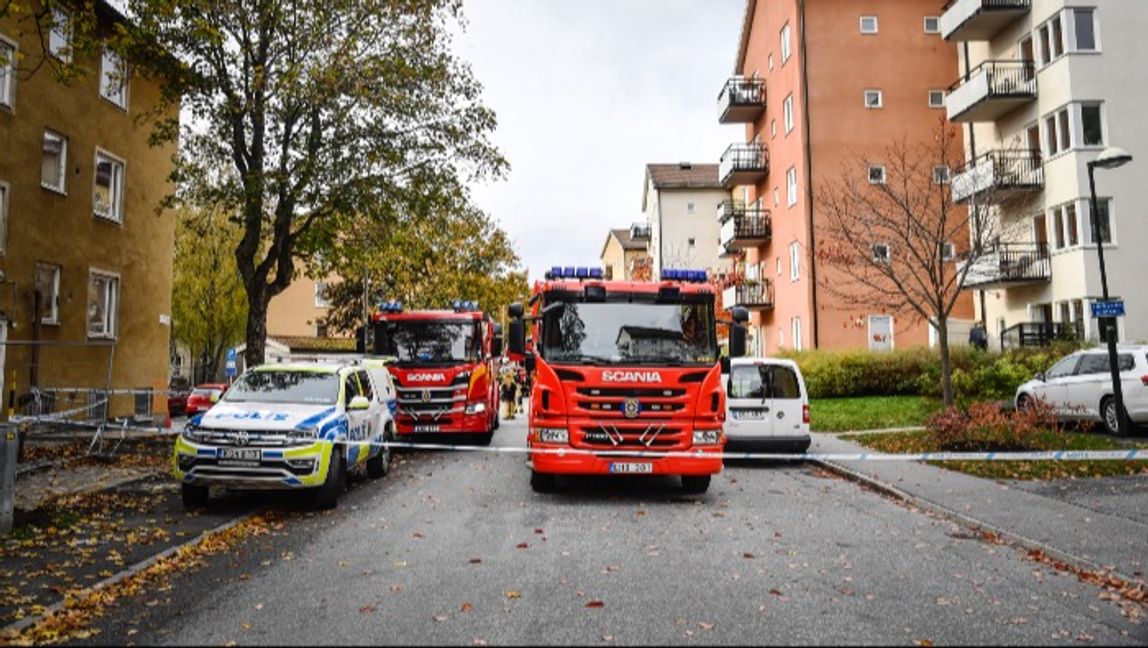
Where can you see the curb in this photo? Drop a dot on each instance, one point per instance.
(26, 622)
(967, 520)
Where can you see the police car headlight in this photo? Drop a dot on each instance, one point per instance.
(194, 434)
(303, 433)
(553, 435)
(707, 437)
(476, 408)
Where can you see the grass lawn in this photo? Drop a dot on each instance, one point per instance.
(921, 441)
(870, 412)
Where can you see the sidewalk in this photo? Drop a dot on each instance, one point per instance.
(1092, 524)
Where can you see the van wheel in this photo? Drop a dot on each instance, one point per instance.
(695, 485)
(1024, 402)
(1110, 415)
(326, 497)
(193, 496)
(380, 464)
(542, 482)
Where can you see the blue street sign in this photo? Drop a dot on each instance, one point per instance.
(1110, 308)
(229, 366)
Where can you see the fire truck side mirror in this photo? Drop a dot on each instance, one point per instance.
(725, 365)
(517, 340)
(737, 341)
(740, 314)
(515, 310)
(496, 341)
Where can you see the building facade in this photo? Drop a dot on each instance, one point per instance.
(679, 202)
(1044, 87)
(819, 84)
(86, 257)
(299, 310)
(625, 253)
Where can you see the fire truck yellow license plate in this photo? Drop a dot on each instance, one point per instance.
(631, 467)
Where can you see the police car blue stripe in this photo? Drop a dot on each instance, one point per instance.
(315, 418)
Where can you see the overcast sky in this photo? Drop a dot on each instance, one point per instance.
(587, 93)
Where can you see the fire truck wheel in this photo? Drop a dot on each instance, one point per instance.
(693, 484)
(497, 420)
(485, 438)
(193, 496)
(541, 482)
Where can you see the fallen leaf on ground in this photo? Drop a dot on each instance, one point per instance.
(595, 604)
(705, 626)
(475, 561)
(367, 609)
(466, 607)
(440, 617)
(513, 594)
(521, 545)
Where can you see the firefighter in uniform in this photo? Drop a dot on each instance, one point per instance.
(509, 392)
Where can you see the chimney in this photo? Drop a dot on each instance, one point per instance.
(685, 166)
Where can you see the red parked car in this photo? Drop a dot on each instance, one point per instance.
(177, 392)
(203, 397)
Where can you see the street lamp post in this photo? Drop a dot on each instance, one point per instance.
(1111, 158)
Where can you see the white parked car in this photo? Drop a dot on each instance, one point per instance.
(1079, 386)
(767, 407)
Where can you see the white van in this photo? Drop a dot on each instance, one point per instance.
(767, 407)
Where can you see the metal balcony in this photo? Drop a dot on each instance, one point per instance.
(998, 176)
(640, 232)
(741, 100)
(1038, 334)
(969, 20)
(756, 296)
(743, 227)
(993, 89)
(743, 164)
(1009, 264)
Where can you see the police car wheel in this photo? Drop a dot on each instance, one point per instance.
(380, 464)
(695, 484)
(193, 496)
(326, 496)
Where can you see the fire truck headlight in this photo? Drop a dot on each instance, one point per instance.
(707, 437)
(553, 435)
(476, 408)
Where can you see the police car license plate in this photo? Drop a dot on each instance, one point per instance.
(631, 467)
(426, 428)
(239, 454)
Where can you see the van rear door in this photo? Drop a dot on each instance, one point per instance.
(787, 400)
(748, 402)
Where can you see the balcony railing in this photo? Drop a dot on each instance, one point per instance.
(993, 89)
(743, 227)
(1030, 334)
(741, 100)
(1009, 263)
(966, 20)
(640, 231)
(998, 176)
(743, 164)
(755, 296)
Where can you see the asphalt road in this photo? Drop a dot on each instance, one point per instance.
(455, 548)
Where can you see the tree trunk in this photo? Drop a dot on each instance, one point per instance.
(256, 327)
(946, 362)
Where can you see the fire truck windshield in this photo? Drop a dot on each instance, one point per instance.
(630, 332)
(431, 342)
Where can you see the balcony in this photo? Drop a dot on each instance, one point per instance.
(968, 20)
(1038, 334)
(640, 232)
(743, 164)
(993, 89)
(1009, 264)
(741, 100)
(999, 176)
(756, 296)
(743, 227)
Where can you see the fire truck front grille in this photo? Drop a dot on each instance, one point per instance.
(631, 392)
(630, 403)
(648, 436)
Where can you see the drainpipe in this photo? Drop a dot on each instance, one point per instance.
(973, 156)
(808, 170)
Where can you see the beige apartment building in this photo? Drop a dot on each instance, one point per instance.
(625, 253)
(298, 311)
(678, 201)
(85, 257)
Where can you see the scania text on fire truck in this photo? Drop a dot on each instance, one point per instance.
(621, 368)
(443, 368)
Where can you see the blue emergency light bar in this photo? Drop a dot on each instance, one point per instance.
(570, 272)
(691, 276)
(391, 307)
(460, 305)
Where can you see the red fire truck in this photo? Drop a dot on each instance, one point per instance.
(443, 368)
(624, 372)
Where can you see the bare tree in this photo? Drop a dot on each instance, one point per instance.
(894, 240)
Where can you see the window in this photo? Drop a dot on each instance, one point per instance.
(1098, 363)
(1057, 132)
(773, 128)
(941, 174)
(873, 99)
(365, 384)
(932, 24)
(7, 72)
(948, 251)
(881, 253)
(1051, 40)
(114, 79)
(787, 113)
(108, 193)
(876, 174)
(868, 24)
(791, 186)
(1066, 226)
(321, 295)
(103, 299)
(1093, 130)
(936, 98)
(691, 242)
(785, 43)
(52, 170)
(48, 285)
(3, 216)
(771, 60)
(794, 262)
(1103, 221)
(1084, 30)
(60, 37)
(690, 209)
(779, 266)
(776, 197)
(795, 332)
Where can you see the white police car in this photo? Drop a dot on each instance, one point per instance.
(290, 426)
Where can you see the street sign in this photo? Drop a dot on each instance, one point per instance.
(229, 367)
(1110, 308)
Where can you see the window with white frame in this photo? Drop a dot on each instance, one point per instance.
(103, 300)
(48, 285)
(1056, 132)
(932, 24)
(60, 35)
(868, 24)
(321, 300)
(108, 188)
(773, 128)
(1091, 124)
(1103, 220)
(690, 208)
(55, 162)
(941, 174)
(948, 251)
(795, 332)
(776, 197)
(7, 72)
(787, 113)
(785, 43)
(874, 99)
(876, 174)
(1066, 226)
(771, 60)
(691, 242)
(1051, 40)
(1083, 30)
(778, 259)
(794, 261)
(936, 98)
(791, 186)
(114, 78)
(1077, 125)
(881, 253)
(3, 216)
